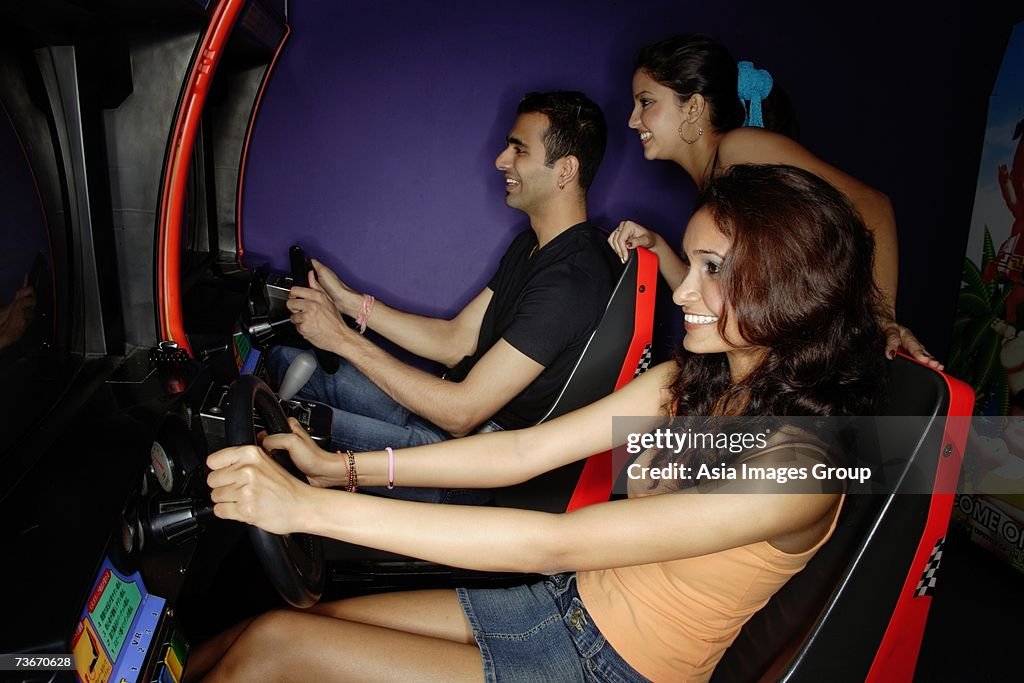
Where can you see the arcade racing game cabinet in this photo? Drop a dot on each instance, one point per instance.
(124, 133)
(122, 161)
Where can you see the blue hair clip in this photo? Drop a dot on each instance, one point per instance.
(753, 86)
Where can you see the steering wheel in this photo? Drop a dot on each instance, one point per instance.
(294, 562)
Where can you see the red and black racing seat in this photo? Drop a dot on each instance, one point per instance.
(858, 610)
(617, 351)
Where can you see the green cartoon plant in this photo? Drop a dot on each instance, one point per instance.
(976, 342)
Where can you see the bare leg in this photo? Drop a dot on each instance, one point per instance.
(434, 613)
(207, 654)
(420, 635)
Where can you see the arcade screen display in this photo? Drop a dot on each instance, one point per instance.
(248, 355)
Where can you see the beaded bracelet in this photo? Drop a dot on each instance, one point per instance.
(353, 478)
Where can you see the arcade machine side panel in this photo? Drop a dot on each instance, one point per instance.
(74, 520)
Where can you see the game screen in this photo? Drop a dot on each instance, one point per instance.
(248, 358)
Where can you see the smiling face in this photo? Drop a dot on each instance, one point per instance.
(705, 251)
(657, 116)
(529, 182)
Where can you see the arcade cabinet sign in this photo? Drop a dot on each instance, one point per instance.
(117, 628)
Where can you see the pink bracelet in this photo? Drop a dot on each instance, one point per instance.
(364, 313)
(391, 467)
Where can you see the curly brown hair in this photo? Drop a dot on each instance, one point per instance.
(799, 280)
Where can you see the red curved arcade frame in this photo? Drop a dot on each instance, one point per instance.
(179, 157)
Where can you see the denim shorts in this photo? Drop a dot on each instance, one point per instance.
(541, 633)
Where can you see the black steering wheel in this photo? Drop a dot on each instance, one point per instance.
(294, 562)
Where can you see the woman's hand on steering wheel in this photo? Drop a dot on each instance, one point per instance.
(322, 468)
(248, 486)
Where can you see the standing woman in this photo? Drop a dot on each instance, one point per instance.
(688, 109)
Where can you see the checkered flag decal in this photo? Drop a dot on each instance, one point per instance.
(931, 568)
(645, 362)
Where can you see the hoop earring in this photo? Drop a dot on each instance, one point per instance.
(700, 132)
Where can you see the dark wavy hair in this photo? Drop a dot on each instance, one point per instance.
(799, 280)
(576, 126)
(697, 63)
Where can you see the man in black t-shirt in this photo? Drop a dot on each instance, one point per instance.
(513, 346)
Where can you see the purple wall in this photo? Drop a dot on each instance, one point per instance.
(375, 145)
(22, 224)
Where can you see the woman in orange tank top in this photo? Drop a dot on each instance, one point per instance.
(781, 320)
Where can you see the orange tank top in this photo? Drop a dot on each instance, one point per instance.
(672, 621)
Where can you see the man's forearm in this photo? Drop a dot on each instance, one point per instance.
(420, 392)
(435, 339)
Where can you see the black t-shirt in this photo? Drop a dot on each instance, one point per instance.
(546, 305)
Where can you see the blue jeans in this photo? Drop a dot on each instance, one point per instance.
(541, 632)
(367, 419)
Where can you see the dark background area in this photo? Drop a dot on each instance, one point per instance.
(973, 633)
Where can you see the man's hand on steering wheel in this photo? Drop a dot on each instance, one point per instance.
(322, 468)
(248, 486)
(346, 299)
(316, 318)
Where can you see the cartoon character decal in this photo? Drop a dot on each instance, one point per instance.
(1009, 261)
(987, 345)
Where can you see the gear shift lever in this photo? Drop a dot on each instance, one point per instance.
(297, 375)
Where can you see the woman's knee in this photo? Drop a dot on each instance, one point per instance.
(261, 647)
